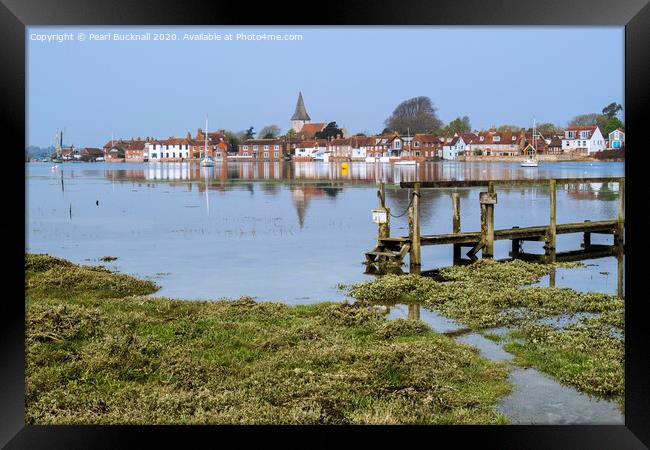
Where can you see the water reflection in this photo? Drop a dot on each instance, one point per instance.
(285, 231)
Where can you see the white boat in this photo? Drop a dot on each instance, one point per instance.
(99, 159)
(532, 161)
(207, 161)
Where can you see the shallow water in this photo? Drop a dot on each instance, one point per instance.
(536, 398)
(283, 231)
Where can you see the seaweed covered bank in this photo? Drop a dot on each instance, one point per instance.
(587, 353)
(99, 351)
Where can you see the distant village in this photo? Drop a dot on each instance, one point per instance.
(301, 143)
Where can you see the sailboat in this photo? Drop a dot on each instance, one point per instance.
(207, 161)
(532, 161)
(59, 145)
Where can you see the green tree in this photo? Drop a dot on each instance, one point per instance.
(331, 130)
(612, 109)
(415, 115)
(612, 124)
(291, 134)
(249, 134)
(386, 131)
(458, 125)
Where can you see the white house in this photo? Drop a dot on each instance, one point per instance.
(617, 139)
(172, 148)
(451, 149)
(310, 148)
(583, 140)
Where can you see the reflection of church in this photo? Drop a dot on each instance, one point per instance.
(301, 196)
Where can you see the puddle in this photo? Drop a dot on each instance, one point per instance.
(536, 397)
(539, 399)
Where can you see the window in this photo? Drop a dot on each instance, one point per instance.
(245, 153)
(154, 155)
(173, 154)
(276, 147)
(254, 147)
(245, 147)
(266, 154)
(417, 153)
(416, 144)
(482, 138)
(276, 155)
(167, 155)
(254, 154)
(496, 138)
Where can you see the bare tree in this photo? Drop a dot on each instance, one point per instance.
(415, 115)
(269, 132)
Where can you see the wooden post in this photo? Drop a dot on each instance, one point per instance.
(620, 271)
(384, 228)
(488, 250)
(414, 311)
(455, 210)
(552, 227)
(586, 240)
(618, 239)
(516, 247)
(415, 239)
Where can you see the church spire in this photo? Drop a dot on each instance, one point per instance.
(301, 112)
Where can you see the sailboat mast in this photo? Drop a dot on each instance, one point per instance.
(206, 137)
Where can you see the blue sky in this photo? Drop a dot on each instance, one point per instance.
(352, 75)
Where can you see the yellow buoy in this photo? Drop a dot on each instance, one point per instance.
(344, 166)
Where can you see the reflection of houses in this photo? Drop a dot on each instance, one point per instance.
(583, 140)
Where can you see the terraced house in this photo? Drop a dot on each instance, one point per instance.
(262, 149)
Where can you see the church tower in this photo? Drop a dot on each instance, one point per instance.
(300, 116)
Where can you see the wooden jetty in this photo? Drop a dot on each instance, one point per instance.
(395, 249)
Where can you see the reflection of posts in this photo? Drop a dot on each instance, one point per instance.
(455, 208)
(551, 278)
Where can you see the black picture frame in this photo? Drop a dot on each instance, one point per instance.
(634, 15)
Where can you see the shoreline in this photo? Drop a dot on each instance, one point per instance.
(95, 340)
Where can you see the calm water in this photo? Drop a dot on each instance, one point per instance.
(284, 231)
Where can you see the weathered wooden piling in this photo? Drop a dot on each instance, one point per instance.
(620, 231)
(414, 256)
(414, 311)
(455, 208)
(384, 228)
(487, 200)
(551, 235)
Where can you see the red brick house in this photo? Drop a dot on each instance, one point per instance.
(262, 149)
